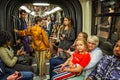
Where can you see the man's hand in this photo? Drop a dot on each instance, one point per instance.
(15, 30)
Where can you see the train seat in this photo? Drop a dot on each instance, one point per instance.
(107, 48)
(81, 77)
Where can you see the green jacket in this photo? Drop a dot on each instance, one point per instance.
(8, 57)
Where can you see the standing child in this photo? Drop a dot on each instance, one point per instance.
(75, 64)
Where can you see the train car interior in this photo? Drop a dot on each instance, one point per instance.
(95, 17)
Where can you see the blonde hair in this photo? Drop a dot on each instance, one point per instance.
(94, 38)
(84, 42)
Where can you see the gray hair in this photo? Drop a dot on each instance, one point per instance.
(94, 38)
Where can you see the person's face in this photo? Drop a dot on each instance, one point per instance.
(80, 46)
(23, 15)
(8, 43)
(116, 50)
(91, 44)
(48, 18)
(80, 36)
(66, 21)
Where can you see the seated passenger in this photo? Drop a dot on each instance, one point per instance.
(10, 74)
(95, 53)
(7, 56)
(108, 67)
(81, 35)
(75, 64)
(57, 60)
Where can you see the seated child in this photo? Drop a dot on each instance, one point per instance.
(75, 64)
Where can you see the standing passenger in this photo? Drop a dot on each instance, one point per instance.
(39, 43)
(67, 34)
(21, 26)
(49, 26)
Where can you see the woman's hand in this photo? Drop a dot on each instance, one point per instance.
(62, 36)
(21, 52)
(12, 77)
(62, 67)
(66, 69)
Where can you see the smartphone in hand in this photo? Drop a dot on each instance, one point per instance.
(22, 48)
(19, 75)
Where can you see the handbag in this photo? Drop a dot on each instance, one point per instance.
(22, 60)
(63, 54)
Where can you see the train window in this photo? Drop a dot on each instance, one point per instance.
(106, 14)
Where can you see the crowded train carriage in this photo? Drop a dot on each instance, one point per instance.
(59, 40)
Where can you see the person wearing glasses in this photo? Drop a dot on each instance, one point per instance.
(95, 53)
(108, 67)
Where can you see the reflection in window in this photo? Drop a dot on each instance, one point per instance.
(106, 20)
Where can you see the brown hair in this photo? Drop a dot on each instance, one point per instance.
(37, 18)
(85, 35)
(22, 11)
(69, 25)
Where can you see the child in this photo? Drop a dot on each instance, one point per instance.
(81, 35)
(75, 64)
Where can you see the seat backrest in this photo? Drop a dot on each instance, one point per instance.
(114, 38)
(107, 48)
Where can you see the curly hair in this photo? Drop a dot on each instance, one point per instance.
(4, 37)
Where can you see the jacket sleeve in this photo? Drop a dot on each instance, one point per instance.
(9, 61)
(26, 32)
(94, 59)
(45, 37)
(9, 70)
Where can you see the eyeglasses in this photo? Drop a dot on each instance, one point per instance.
(91, 43)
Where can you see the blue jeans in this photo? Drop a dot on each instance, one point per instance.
(27, 75)
(54, 62)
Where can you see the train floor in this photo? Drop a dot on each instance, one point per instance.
(35, 70)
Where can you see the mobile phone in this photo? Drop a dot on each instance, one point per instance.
(22, 48)
(19, 74)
